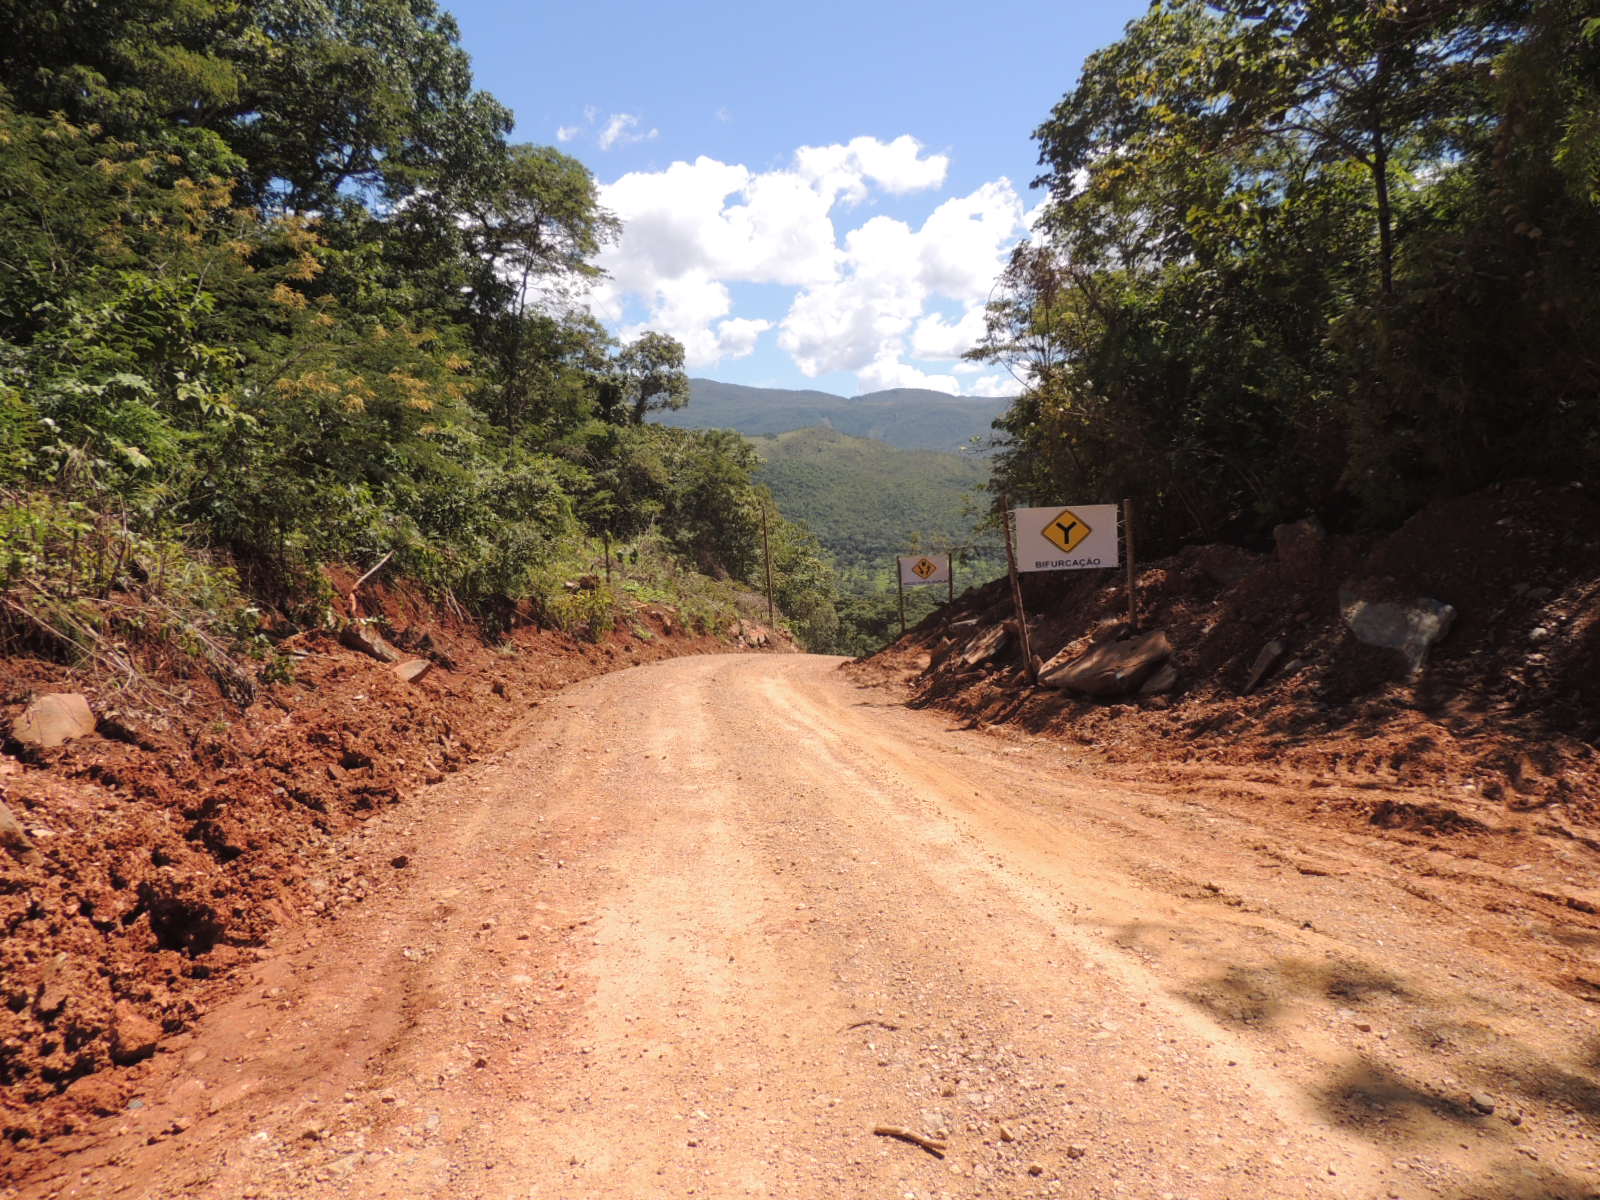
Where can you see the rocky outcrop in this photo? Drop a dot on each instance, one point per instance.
(1115, 668)
(1408, 627)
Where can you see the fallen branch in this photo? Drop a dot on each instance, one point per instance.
(916, 1139)
(356, 586)
(879, 1024)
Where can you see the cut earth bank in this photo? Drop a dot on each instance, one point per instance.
(173, 835)
(1272, 700)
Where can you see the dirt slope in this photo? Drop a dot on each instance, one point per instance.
(180, 837)
(712, 921)
(1501, 728)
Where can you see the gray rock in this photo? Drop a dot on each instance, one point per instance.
(369, 641)
(985, 645)
(53, 720)
(1113, 632)
(1112, 668)
(1163, 681)
(1482, 1103)
(1265, 661)
(1409, 628)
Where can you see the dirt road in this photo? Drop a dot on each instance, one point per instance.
(714, 920)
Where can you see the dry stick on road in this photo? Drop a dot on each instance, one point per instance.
(916, 1139)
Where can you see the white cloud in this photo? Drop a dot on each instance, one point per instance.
(738, 335)
(862, 319)
(621, 129)
(937, 337)
(694, 309)
(889, 372)
(846, 170)
(998, 384)
(866, 301)
(565, 133)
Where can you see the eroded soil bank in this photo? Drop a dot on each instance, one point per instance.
(177, 841)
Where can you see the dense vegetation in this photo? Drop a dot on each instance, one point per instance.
(277, 292)
(1321, 256)
(868, 501)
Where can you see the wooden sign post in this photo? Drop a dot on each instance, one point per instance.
(766, 553)
(1016, 589)
(1127, 546)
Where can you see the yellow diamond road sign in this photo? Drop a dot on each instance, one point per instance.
(1066, 530)
(924, 568)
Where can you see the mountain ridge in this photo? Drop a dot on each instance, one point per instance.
(906, 418)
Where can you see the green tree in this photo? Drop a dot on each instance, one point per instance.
(650, 377)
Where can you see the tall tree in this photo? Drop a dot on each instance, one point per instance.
(650, 376)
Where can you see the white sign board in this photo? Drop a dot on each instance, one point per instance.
(924, 568)
(1076, 537)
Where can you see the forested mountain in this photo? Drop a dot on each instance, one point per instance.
(866, 500)
(278, 291)
(1311, 256)
(908, 418)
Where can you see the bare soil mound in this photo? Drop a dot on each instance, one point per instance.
(1499, 726)
(173, 841)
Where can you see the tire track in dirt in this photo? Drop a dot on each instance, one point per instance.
(715, 919)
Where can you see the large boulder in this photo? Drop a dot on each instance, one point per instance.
(1408, 627)
(1111, 668)
(52, 720)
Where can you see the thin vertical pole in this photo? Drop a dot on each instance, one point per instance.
(605, 540)
(766, 553)
(1016, 591)
(1127, 546)
(950, 567)
(900, 583)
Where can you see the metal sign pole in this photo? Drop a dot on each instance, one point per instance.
(766, 553)
(950, 567)
(1016, 591)
(1127, 545)
(900, 583)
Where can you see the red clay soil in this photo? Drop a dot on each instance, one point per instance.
(1495, 739)
(177, 838)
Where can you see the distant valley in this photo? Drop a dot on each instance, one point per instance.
(870, 475)
(867, 500)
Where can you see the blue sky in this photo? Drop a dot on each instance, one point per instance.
(818, 196)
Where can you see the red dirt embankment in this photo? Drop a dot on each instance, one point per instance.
(1497, 733)
(178, 837)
